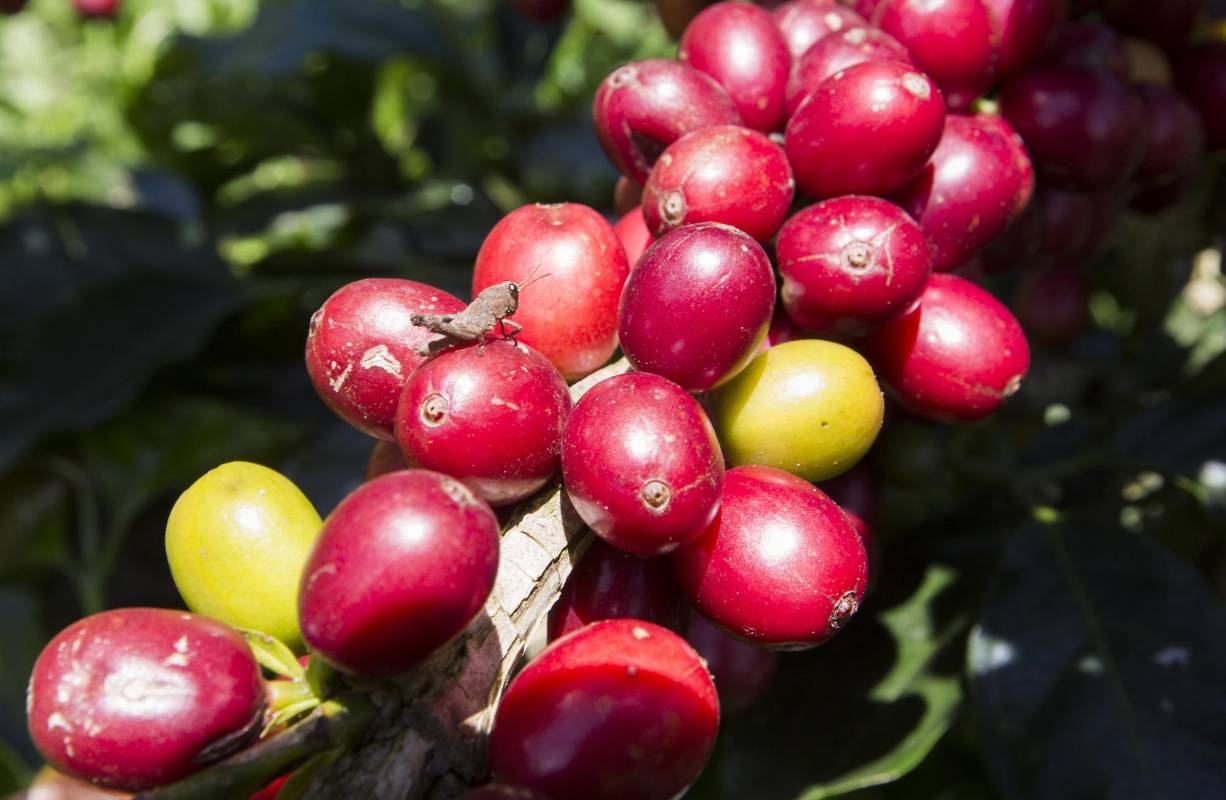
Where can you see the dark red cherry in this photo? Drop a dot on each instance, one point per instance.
(1200, 75)
(742, 672)
(804, 22)
(1090, 44)
(1167, 23)
(1026, 28)
(1053, 304)
(1066, 221)
(1175, 137)
(836, 52)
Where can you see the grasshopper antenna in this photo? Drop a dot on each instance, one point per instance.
(533, 277)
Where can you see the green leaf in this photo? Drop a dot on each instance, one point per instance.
(274, 655)
(1096, 670)
(34, 521)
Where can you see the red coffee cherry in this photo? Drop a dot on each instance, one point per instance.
(781, 566)
(576, 266)
(856, 492)
(723, 173)
(1053, 305)
(644, 106)
(632, 232)
(1168, 23)
(656, 705)
(1066, 221)
(866, 130)
(739, 46)
(612, 584)
(978, 181)
(641, 463)
(851, 263)
(1015, 247)
(959, 354)
(1174, 138)
(1090, 44)
(954, 41)
(1026, 28)
(361, 347)
(697, 305)
(805, 22)
(837, 52)
(1200, 75)
(1084, 128)
(385, 457)
(401, 566)
(742, 672)
(140, 697)
(491, 417)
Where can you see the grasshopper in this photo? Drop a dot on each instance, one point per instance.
(487, 311)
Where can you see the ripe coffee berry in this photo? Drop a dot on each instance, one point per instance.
(959, 354)
(1090, 44)
(781, 566)
(857, 494)
(1053, 304)
(612, 584)
(742, 672)
(697, 305)
(491, 417)
(403, 564)
(641, 463)
(571, 267)
(1200, 75)
(1174, 140)
(361, 347)
(1167, 23)
(385, 457)
(866, 130)
(632, 232)
(1066, 221)
(723, 173)
(978, 181)
(1026, 28)
(643, 107)
(139, 697)
(656, 705)
(739, 46)
(850, 263)
(837, 52)
(804, 22)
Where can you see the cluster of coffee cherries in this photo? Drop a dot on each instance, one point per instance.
(811, 196)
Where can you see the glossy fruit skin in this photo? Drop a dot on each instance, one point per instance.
(1053, 305)
(657, 707)
(1090, 44)
(836, 52)
(739, 46)
(131, 698)
(644, 106)
(569, 311)
(641, 463)
(1084, 128)
(697, 305)
(1026, 28)
(866, 130)
(1175, 137)
(850, 263)
(242, 525)
(385, 457)
(810, 407)
(954, 41)
(1167, 24)
(978, 181)
(632, 232)
(1200, 76)
(724, 173)
(361, 347)
(742, 672)
(780, 567)
(958, 355)
(612, 584)
(804, 22)
(403, 564)
(489, 417)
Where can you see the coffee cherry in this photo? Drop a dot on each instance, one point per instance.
(805, 22)
(1015, 247)
(959, 354)
(866, 130)
(1053, 305)
(810, 407)
(782, 329)
(1026, 28)
(781, 566)
(618, 709)
(632, 232)
(742, 672)
(644, 106)
(723, 173)
(491, 417)
(385, 457)
(954, 41)
(139, 697)
(96, 9)
(361, 347)
(403, 564)
(576, 266)
(739, 46)
(627, 196)
(496, 792)
(978, 181)
(641, 463)
(1090, 44)
(697, 305)
(1168, 23)
(612, 584)
(851, 263)
(1084, 128)
(242, 525)
(1200, 75)
(837, 52)
(11, 6)
(1175, 137)
(856, 492)
(1066, 221)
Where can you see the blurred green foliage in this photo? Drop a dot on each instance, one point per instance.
(181, 187)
